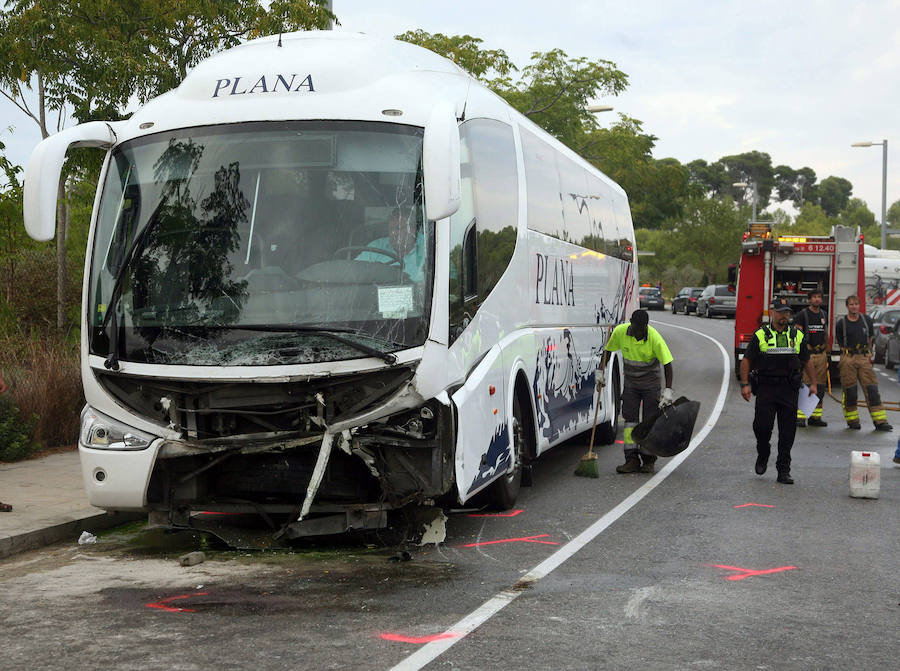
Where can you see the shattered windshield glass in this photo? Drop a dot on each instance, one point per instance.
(207, 237)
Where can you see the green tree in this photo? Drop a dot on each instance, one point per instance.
(553, 90)
(466, 51)
(710, 178)
(749, 167)
(811, 220)
(656, 188)
(834, 195)
(10, 221)
(708, 237)
(797, 186)
(893, 214)
(88, 59)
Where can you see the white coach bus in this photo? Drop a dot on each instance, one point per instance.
(331, 276)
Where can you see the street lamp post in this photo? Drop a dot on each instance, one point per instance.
(599, 108)
(883, 144)
(744, 185)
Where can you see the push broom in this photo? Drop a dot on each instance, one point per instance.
(588, 467)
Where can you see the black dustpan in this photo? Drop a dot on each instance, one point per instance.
(667, 432)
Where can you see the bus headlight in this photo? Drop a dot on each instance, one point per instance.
(104, 433)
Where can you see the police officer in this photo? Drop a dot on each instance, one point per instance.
(643, 350)
(776, 355)
(813, 321)
(854, 334)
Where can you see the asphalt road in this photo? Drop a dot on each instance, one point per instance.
(704, 565)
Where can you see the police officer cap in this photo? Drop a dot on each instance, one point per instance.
(780, 305)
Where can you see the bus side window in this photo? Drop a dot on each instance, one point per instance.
(470, 264)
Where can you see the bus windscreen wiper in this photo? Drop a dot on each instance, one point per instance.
(137, 246)
(330, 332)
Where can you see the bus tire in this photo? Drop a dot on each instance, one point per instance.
(607, 431)
(504, 491)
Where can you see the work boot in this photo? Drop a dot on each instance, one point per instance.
(648, 462)
(632, 464)
(853, 425)
(883, 426)
(817, 421)
(802, 422)
(784, 477)
(761, 462)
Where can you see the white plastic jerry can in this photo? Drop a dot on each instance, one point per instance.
(865, 474)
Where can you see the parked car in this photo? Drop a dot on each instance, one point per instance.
(884, 320)
(892, 351)
(686, 300)
(717, 299)
(651, 299)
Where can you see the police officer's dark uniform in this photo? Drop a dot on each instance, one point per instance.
(774, 360)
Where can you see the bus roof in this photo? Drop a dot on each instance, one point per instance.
(309, 75)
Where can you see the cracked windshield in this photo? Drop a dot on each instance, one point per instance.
(262, 244)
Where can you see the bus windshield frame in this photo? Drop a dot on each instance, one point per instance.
(255, 243)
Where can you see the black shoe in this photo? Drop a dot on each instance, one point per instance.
(853, 425)
(883, 426)
(785, 478)
(648, 462)
(761, 463)
(632, 464)
(802, 422)
(815, 421)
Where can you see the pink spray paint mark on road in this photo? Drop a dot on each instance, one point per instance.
(419, 639)
(747, 572)
(747, 505)
(162, 604)
(524, 539)
(511, 513)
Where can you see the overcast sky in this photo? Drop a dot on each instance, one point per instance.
(798, 79)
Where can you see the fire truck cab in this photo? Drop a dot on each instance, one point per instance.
(792, 267)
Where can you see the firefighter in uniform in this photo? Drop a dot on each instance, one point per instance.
(854, 334)
(813, 321)
(643, 350)
(776, 356)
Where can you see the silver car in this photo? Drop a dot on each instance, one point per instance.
(717, 299)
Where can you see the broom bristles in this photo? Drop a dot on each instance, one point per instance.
(588, 467)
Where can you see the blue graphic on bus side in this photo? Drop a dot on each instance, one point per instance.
(496, 461)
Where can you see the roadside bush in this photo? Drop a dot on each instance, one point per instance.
(44, 382)
(15, 434)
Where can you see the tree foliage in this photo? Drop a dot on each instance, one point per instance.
(834, 195)
(796, 186)
(486, 65)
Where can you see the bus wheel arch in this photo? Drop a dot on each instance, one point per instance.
(607, 431)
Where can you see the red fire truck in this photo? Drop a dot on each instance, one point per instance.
(792, 267)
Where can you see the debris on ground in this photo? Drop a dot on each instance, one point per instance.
(192, 558)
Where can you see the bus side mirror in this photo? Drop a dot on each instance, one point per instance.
(441, 163)
(44, 168)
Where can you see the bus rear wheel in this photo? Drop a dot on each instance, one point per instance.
(504, 491)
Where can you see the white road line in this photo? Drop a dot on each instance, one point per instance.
(431, 651)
